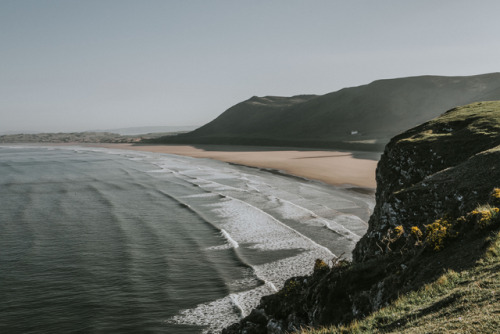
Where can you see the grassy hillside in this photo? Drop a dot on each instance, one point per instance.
(467, 301)
(374, 113)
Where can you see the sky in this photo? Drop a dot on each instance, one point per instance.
(68, 65)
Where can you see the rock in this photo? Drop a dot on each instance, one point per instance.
(416, 187)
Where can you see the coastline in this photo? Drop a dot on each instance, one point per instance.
(338, 168)
(256, 223)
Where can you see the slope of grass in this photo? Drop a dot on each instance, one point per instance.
(457, 302)
(480, 119)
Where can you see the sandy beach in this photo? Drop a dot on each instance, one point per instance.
(332, 167)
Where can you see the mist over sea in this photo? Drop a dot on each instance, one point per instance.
(108, 241)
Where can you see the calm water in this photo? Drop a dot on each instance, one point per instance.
(95, 240)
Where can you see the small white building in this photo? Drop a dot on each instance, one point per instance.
(354, 132)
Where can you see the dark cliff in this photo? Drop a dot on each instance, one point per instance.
(436, 211)
(442, 167)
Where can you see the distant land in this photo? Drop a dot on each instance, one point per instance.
(124, 135)
(139, 130)
(358, 118)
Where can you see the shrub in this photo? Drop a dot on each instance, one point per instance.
(415, 231)
(496, 193)
(320, 265)
(438, 233)
(291, 286)
(484, 215)
(399, 231)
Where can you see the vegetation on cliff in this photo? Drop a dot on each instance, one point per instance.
(431, 253)
(467, 301)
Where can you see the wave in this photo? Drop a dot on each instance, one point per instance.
(229, 239)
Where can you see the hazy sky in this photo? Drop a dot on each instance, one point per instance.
(79, 65)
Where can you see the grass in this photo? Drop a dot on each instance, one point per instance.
(480, 118)
(457, 302)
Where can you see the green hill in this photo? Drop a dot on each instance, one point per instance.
(359, 117)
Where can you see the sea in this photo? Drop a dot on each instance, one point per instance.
(96, 240)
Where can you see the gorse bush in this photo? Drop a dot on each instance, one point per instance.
(495, 194)
(484, 215)
(438, 233)
(444, 229)
(415, 231)
(399, 230)
(320, 265)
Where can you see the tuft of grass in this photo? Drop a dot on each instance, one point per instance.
(492, 253)
(457, 302)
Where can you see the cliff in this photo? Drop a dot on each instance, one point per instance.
(442, 167)
(436, 219)
(359, 118)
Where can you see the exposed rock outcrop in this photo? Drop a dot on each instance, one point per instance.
(442, 167)
(431, 179)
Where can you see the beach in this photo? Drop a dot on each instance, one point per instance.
(336, 168)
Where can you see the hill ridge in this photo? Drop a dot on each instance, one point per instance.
(345, 118)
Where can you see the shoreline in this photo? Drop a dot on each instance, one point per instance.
(333, 167)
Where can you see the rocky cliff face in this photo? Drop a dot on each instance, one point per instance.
(433, 170)
(431, 180)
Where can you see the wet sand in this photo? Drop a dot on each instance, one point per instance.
(332, 167)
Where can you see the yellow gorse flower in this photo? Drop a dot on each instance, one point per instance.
(415, 231)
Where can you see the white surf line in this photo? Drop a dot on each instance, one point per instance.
(326, 223)
(268, 283)
(234, 300)
(271, 285)
(210, 181)
(284, 225)
(229, 239)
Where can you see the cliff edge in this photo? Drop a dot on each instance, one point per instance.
(436, 213)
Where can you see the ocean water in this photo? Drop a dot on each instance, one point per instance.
(107, 241)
